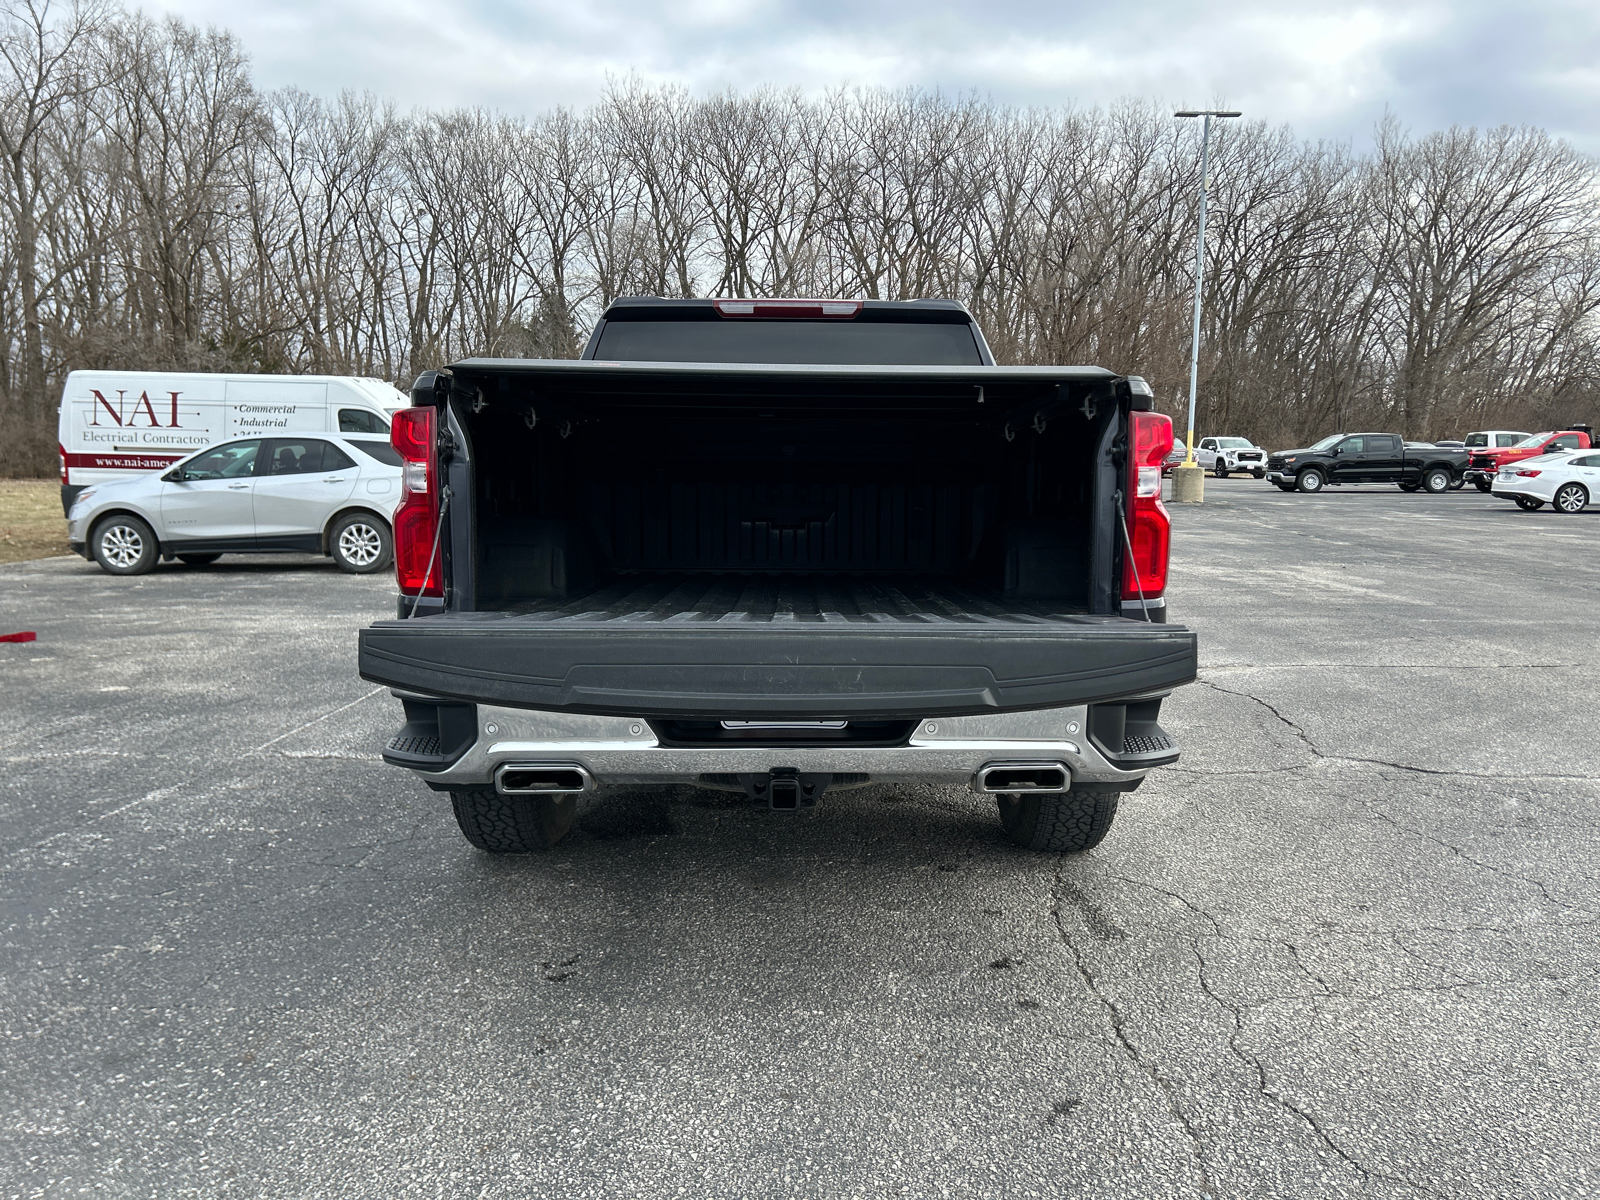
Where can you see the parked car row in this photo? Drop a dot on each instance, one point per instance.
(1487, 462)
(1533, 469)
(1567, 480)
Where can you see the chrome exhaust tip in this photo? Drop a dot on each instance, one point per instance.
(1002, 778)
(542, 779)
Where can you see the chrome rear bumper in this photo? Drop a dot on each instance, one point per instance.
(621, 750)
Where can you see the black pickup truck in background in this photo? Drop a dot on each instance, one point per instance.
(780, 548)
(1368, 458)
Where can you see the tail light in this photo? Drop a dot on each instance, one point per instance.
(62, 452)
(787, 308)
(1144, 566)
(1529, 474)
(416, 521)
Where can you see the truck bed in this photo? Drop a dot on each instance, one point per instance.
(796, 646)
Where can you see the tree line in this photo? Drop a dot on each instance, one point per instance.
(161, 212)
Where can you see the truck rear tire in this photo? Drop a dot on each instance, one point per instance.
(1436, 480)
(1528, 503)
(1058, 821)
(513, 824)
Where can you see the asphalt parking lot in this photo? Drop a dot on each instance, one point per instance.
(1347, 947)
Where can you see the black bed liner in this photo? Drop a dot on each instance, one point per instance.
(814, 646)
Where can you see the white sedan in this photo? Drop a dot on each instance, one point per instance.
(1566, 481)
(331, 494)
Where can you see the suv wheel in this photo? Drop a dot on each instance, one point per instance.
(1310, 480)
(513, 824)
(1570, 498)
(1057, 821)
(360, 544)
(124, 545)
(1528, 503)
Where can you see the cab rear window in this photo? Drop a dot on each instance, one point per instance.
(815, 342)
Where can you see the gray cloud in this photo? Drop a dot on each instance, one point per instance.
(1328, 69)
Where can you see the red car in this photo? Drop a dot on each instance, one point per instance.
(1485, 464)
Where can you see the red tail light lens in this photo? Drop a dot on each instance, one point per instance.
(416, 521)
(62, 451)
(1529, 474)
(1144, 568)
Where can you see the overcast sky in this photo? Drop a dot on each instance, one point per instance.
(1327, 69)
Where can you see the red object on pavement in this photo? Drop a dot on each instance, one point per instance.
(26, 635)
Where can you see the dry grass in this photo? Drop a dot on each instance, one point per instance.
(31, 524)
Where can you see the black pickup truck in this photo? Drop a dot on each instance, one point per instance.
(780, 548)
(1368, 458)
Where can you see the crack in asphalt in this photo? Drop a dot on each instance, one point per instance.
(1477, 862)
(1349, 666)
(1181, 899)
(1294, 953)
(1321, 755)
(1289, 1106)
(1118, 1023)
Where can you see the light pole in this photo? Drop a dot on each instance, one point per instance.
(1188, 481)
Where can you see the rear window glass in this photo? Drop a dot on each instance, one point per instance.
(849, 343)
(382, 451)
(1477, 439)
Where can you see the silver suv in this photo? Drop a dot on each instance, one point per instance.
(317, 493)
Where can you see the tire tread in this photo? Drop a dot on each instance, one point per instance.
(1059, 822)
(512, 824)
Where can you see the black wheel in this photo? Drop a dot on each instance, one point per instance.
(1528, 503)
(1436, 480)
(198, 560)
(1569, 498)
(513, 824)
(1284, 487)
(124, 545)
(1483, 485)
(1259, 474)
(1077, 820)
(1310, 480)
(1220, 469)
(360, 543)
(1458, 485)
(1409, 487)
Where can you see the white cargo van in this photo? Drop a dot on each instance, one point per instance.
(121, 424)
